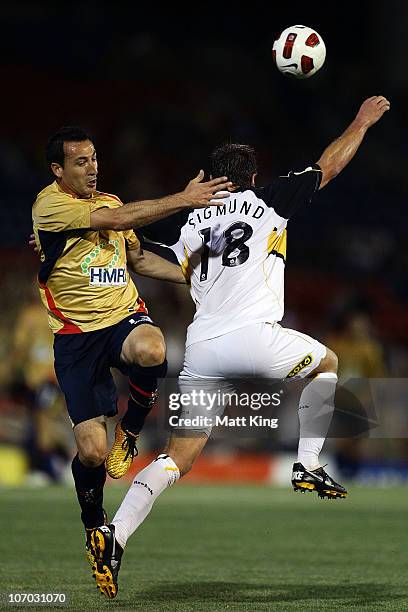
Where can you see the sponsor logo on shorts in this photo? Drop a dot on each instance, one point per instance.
(139, 320)
(107, 277)
(300, 366)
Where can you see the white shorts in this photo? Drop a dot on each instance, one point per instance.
(261, 350)
(264, 350)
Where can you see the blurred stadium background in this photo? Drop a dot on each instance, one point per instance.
(158, 89)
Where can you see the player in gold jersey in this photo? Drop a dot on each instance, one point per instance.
(86, 242)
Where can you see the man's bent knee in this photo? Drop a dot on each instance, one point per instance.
(329, 363)
(144, 346)
(151, 353)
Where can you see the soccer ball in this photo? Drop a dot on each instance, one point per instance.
(299, 51)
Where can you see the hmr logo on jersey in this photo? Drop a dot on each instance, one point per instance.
(107, 277)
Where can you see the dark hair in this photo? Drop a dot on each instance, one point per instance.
(55, 146)
(236, 161)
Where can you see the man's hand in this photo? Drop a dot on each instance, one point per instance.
(32, 244)
(338, 154)
(200, 194)
(372, 110)
(145, 212)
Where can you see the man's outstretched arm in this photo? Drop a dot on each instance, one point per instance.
(137, 214)
(149, 264)
(341, 151)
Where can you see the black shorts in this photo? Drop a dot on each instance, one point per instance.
(82, 365)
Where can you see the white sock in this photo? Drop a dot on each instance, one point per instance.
(316, 407)
(146, 487)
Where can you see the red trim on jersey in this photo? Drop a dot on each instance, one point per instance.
(142, 306)
(141, 391)
(69, 326)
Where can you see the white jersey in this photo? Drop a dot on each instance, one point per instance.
(234, 258)
(234, 255)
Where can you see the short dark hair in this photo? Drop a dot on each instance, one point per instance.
(54, 152)
(235, 161)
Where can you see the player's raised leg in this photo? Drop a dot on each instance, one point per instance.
(108, 542)
(143, 360)
(316, 409)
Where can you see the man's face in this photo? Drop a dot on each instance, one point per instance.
(78, 175)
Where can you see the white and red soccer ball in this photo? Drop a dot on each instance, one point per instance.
(299, 51)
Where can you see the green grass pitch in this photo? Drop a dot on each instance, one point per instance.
(218, 548)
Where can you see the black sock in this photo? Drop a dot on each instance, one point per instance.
(89, 484)
(142, 394)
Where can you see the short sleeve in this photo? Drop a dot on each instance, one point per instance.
(132, 241)
(60, 213)
(289, 193)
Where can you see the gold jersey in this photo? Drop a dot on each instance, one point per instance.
(83, 279)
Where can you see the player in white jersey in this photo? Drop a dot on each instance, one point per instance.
(234, 258)
(237, 253)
